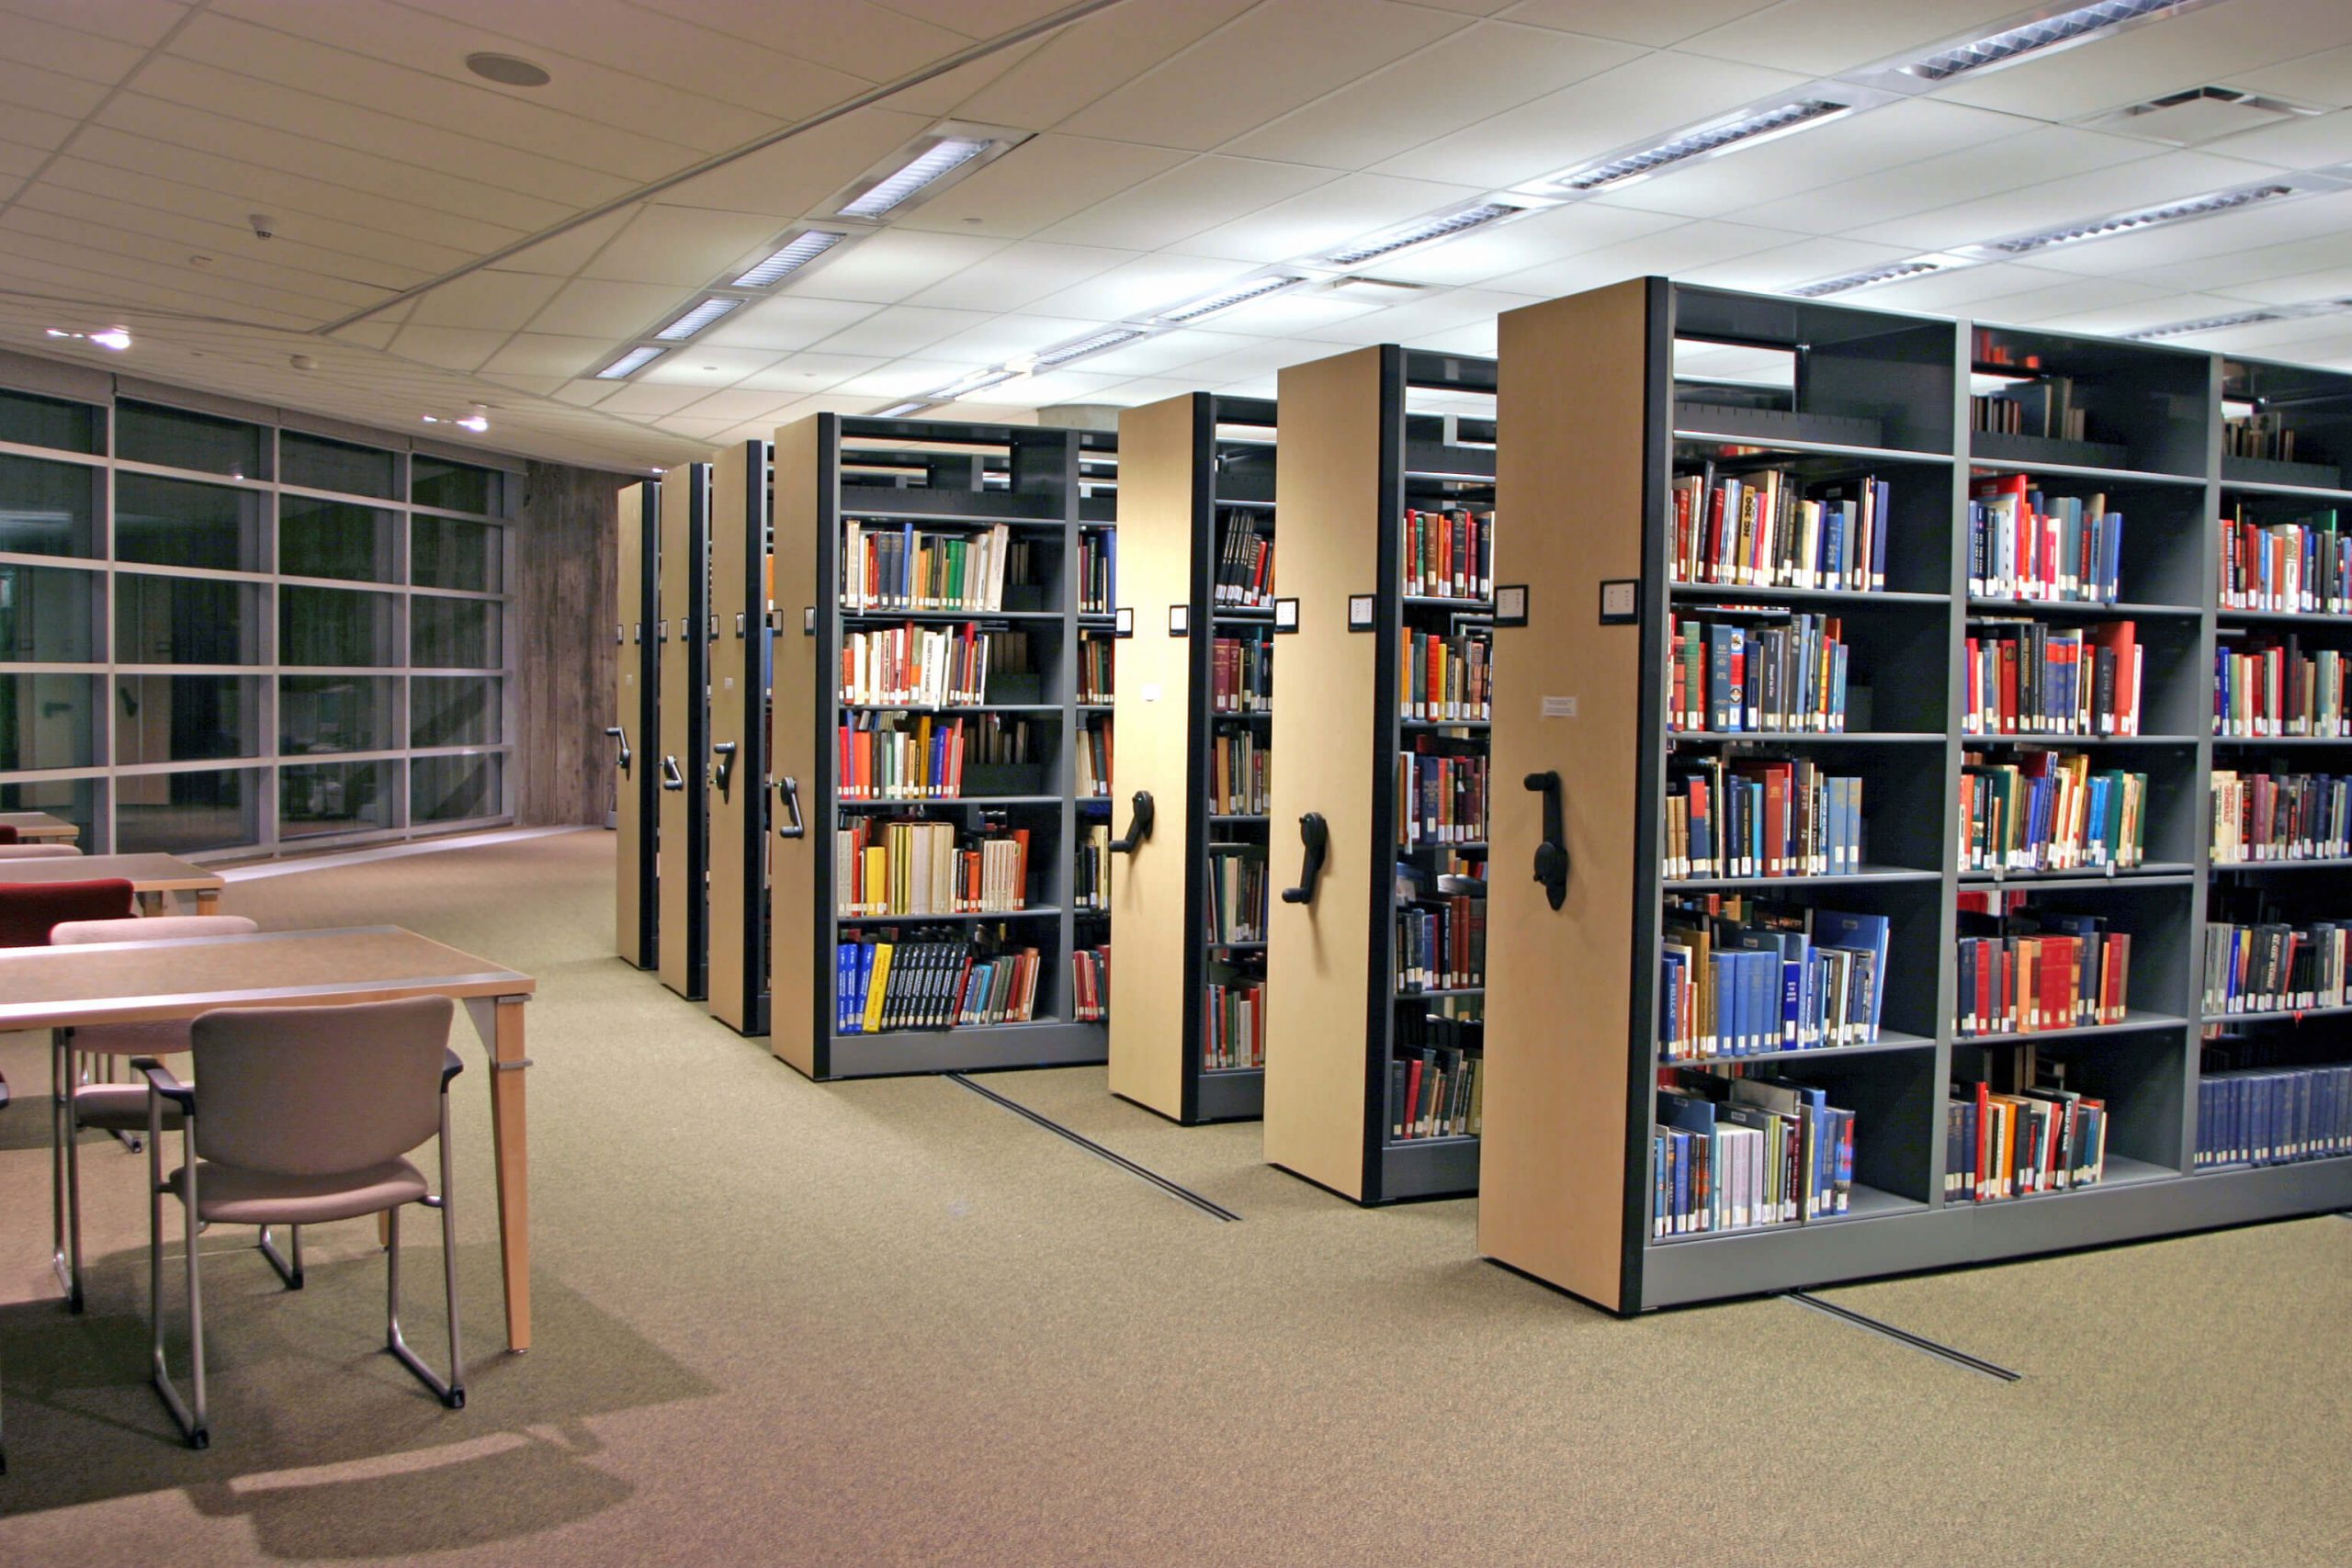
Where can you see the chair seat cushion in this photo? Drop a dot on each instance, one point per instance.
(159, 1037)
(117, 1108)
(231, 1195)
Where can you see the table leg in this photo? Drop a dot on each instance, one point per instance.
(207, 901)
(500, 1024)
(150, 903)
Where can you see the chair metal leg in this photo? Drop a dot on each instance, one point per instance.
(449, 1393)
(191, 1422)
(65, 1171)
(453, 1391)
(289, 1271)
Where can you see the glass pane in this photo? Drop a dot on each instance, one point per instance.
(452, 789)
(178, 522)
(455, 487)
(317, 463)
(334, 626)
(334, 797)
(175, 438)
(47, 721)
(75, 800)
(452, 634)
(46, 509)
(185, 620)
(335, 713)
(453, 710)
(32, 420)
(334, 538)
(186, 718)
(45, 615)
(445, 552)
(177, 814)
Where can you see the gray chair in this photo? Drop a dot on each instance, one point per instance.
(36, 852)
(82, 1106)
(300, 1116)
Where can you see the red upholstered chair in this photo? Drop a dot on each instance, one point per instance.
(29, 911)
(7, 834)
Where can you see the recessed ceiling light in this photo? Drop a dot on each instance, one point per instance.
(2208, 324)
(507, 69)
(698, 317)
(2046, 32)
(901, 411)
(1227, 299)
(1444, 226)
(789, 258)
(2143, 218)
(1916, 267)
(1097, 343)
(976, 382)
(628, 363)
(116, 338)
(942, 158)
(1715, 136)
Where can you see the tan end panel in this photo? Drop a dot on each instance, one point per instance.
(1152, 715)
(1551, 1190)
(732, 816)
(628, 832)
(799, 994)
(1327, 493)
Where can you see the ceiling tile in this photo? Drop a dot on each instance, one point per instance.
(1146, 283)
(566, 251)
(2118, 187)
(979, 18)
(806, 373)
(488, 300)
(702, 364)
(161, 241)
(2322, 78)
(370, 334)
(786, 322)
(1821, 37)
(895, 263)
(27, 86)
(595, 308)
(41, 40)
(738, 404)
(1635, 21)
(905, 377)
(38, 127)
(2227, 244)
(2302, 144)
(140, 22)
(1350, 207)
(1202, 194)
(19, 158)
(1008, 336)
(1091, 58)
(794, 177)
(857, 37)
(1164, 352)
(685, 247)
(1668, 253)
(1020, 272)
(452, 348)
(2045, 154)
(1545, 236)
(902, 329)
(1274, 57)
(650, 400)
(537, 385)
(1785, 266)
(1300, 312)
(1041, 182)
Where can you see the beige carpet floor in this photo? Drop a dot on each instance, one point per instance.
(891, 1322)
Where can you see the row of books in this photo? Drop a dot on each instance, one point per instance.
(2024, 546)
(2049, 811)
(1441, 677)
(1095, 659)
(883, 866)
(1233, 1026)
(892, 566)
(1240, 772)
(1093, 780)
(1738, 979)
(1436, 1091)
(2031, 971)
(2275, 686)
(1441, 944)
(2044, 406)
(927, 667)
(951, 980)
(2025, 677)
(1245, 562)
(1441, 798)
(2254, 1110)
(1089, 984)
(1237, 898)
(1448, 555)
(1780, 677)
(2302, 567)
(2274, 967)
(1746, 1153)
(1241, 675)
(1760, 817)
(1098, 570)
(1090, 867)
(892, 756)
(2001, 1146)
(2261, 817)
(2258, 436)
(1762, 530)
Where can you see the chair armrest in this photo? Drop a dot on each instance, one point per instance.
(451, 1066)
(3, 1091)
(160, 1079)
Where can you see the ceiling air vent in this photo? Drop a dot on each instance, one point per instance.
(2199, 115)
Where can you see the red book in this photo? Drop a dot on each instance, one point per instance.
(1714, 572)
(1412, 1098)
(2060, 962)
(2120, 638)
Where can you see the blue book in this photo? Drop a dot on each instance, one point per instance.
(1883, 512)
(1833, 927)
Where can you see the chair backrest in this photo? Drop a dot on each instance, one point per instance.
(29, 911)
(38, 851)
(150, 927)
(319, 1092)
(7, 834)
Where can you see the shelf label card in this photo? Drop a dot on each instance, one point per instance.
(1510, 606)
(1361, 612)
(1559, 707)
(1180, 620)
(1621, 602)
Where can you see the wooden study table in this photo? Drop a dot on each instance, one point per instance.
(66, 988)
(150, 876)
(39, 827)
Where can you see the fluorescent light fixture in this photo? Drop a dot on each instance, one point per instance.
(935, 162)
(901, 411)
(628, 363)
(474, 421)
(1227, 299)
(1714, 137)
(978, 382)
(2144, 217)
(2209, 324)
(2014, 43)
(1445, 227)
(116, 338)
(790, 258)
(1918, 267)
(711, 309)
(1100, 341)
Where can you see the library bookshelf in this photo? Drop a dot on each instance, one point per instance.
(1196, 519)
(635, 721)
(735, 766)
(855, 501)
(1614, 420)
(683, 734)
(1365, 438)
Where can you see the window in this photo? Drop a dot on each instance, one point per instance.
(178, 814)
(454, 710)
(447, 552)
(335, 539)
(185, 620)
(178, 438)
(186, 718)
(315, 462)
(47, 721)
(455, 487)
(48, 616)
(334, 627)
(334, 797)
(453, 634)
(335, 713)
(31, 420)
(453, 789)
(48, 509)
(75, 800)
(159, 522)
